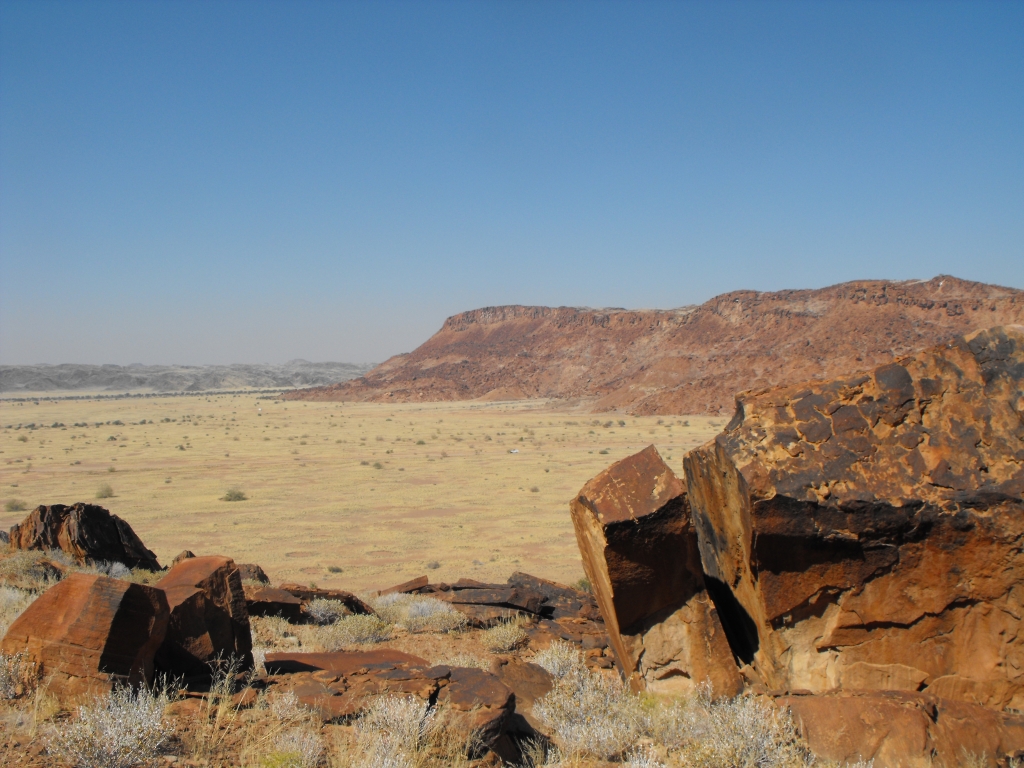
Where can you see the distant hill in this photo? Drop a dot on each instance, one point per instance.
(689, 360)
(173, 378)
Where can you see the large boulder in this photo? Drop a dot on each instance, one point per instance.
(209, 621)
(87, 532)
(89, 631)
(865, 533)
(640, 553)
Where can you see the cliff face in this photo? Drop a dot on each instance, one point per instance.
(690, 360)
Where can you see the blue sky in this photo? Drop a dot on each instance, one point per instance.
(200, 182)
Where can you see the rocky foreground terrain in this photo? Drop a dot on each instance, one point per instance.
(173, 378)
(682, 361)
(835, 579)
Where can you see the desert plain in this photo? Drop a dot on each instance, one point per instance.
(351, 495)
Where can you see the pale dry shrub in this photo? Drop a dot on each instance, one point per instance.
(358, 629)
(506, 635)
(744, 732)
(560, 659)
(272, 632)
(29, 569)
(418, 613)
(17, 674)
(460, 659)
(119, 730)
(405, 732)
(296, 747)
(590, 714)
(643, 757)
(324, 611)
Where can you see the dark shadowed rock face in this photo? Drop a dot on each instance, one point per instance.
(87, 532)
(865, 533)
(209, 620)
(640, 553)
(89, 632)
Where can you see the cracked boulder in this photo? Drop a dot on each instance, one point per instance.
(87, 532)
(640, 553)
(864, 534)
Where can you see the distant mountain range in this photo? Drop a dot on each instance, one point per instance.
(678, 361)
(174, 378)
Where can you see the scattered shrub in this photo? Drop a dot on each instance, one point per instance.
(334, 569)
(119, 730)
(105, 492)
(234, 494)
(418, 613)
(583, 585)
(358, 629)
(560, 659)
(17, 674)
(397, 732)
(297, 747)
(433, 565)
(378, 465)
(324, 611)
(15, 505)
(504, 636)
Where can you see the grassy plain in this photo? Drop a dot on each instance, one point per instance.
(350, 495)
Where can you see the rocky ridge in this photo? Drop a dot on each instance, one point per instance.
(680, 361)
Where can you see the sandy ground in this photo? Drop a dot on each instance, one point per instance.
(349, 495)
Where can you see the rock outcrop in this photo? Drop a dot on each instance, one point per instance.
(865, 533)
(687, 360)
(209, 621)
(89, 632)
(87, 532)
(640, 553)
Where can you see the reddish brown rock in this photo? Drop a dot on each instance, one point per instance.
(864, 533)
(529, 682)
(87, 532)
(413, 585)
(307, 594)
(267, 601)
(640, 553)
(185, 554)
(209, 620)
(252, 572)
(89, 631)
(560, 601)
(487, 701)
(341, 663)
(905, 730)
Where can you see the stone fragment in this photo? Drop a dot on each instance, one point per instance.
(89, 631)
(487, 701)
(209, 620)
(904, 730)
(252, 572)
(864, 533)
(640, 553)
(560, 601)
(307, 594)
(413, 585)
(529, 682)
(87, 532)
(268, 601)
(185, 554)
(504, 597)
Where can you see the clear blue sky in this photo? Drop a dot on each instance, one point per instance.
(198, 182)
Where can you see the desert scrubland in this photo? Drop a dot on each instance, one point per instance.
(352, 495)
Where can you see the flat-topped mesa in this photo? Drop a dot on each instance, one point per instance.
(639, 551)
(864, 533)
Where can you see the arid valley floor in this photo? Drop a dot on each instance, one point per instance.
(382, 492)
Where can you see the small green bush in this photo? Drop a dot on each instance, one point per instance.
(234, 494)
(15, 505)
(105, 492)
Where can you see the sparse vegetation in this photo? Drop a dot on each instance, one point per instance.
(418, 613)
(234, 494)
(326, 611)
(105, 492)
(15, 505)
(358, 629)
(505, 636)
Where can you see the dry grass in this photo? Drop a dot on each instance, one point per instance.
(319, 507)
(418, 613)
(505, 636)
(353, 630)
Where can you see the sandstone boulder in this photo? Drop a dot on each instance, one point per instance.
(864, 533)
(87, 532)
(640, 553)
(252, 572)
(267, 601)
(91, 631)
(209, 620)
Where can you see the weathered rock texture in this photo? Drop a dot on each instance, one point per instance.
(640, 553)
(87, 532)
(209, 620)
(687, 360)
(866, 533)
(90, 631)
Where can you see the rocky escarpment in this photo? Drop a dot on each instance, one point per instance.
(689, 360)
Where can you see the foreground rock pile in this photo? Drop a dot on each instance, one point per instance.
(856, 544)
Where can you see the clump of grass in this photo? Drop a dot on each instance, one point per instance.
(404, 732)
(358, 629)
(378, 465)
(335, 569)
(15, 505)
(324, 611)
(234, 494)
(296, 747)
(560, 659)
(119, 730)
(505, 636)
(419, 613)
(583, 585)
(105, 492)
